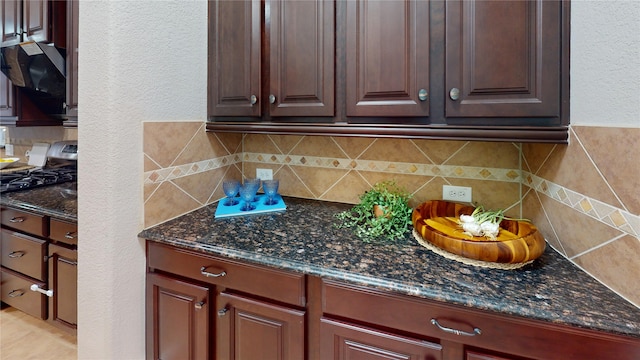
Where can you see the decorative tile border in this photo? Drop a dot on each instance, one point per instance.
(453, 171)
(174, 172)
(450, 171)
(616, 218)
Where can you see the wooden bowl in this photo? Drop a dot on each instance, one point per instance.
(527, 245)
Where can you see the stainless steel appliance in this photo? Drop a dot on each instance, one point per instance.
(61, 167)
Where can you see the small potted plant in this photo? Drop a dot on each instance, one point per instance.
(382, 214)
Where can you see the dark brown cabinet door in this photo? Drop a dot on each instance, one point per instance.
(35, 15)
(7, 107)
(177, 319)
(342, 341)
(251, 329)
(503, 58)
(301, 58)
(72, 62)
(234, 58)
(11, 20)
(63, 280)
(387, 58)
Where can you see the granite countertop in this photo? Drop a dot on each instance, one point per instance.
(58, 201)
(303, 239)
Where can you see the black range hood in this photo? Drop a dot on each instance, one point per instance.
(39, 69)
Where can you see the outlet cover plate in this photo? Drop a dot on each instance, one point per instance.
(264, 174)
(456, 193)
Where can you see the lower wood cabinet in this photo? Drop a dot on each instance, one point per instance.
(343, 341)
(251, 329)
(63, 280)
(223, 310)
(177, 319)
(201, 306)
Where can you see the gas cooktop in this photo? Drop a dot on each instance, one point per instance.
(28, 179)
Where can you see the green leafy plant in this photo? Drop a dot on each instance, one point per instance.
(391, 219)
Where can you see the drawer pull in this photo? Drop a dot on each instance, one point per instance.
(16, 254)
(16, 293)
(222, 312)
(199, 305)
(208, 274)
(18, 219)
(70, 235)
(36, 288)
(475, 332)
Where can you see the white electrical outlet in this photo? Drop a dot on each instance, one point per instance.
(456, 193)
(8, 149)
(264, 174)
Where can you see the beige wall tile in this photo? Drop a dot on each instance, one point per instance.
(535, 155)
(487, 154)
(166, 203)
(164, 141)
(353, 147)
(202, 146)
(532, 210)
(439, 151)
(616, 154)
(576, 231)
(570, 167)
(615, 264)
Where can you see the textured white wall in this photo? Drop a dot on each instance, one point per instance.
(146, 60)
(140, 60)
(605, 63)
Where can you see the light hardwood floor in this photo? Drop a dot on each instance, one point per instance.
(25, 337)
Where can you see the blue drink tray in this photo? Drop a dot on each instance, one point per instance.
(223, 211)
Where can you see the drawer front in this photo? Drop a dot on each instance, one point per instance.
(16, 292)
(257, 280)
(62, 231)
(24, 254)
(527, 338)
(24, 221)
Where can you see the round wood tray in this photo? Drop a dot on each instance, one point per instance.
(527, 244)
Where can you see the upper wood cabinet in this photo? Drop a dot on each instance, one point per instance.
(282, 66)
(24, 21)
(466, 70)
(387, 58)
(503, 58)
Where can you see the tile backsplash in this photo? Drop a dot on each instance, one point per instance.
(577, 194)
(22, 138)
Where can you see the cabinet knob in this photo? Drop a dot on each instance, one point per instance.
(253, 99)
(199, 305)
(454, 94)
(70, 235)
(272, 99)
(423, 94)
(18, 219)
(222, 312)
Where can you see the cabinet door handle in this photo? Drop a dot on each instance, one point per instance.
(476, 331)
(454, 94)
(18, 219)
(423, 95)
(16, 254)
(222, 312)
(208, 274)
(253, 99)
(37, 288)
(16, 293)
(70, 235)
(272, 99)
(199, 305)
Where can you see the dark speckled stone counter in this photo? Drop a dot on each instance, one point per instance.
(303, 239)
(57, 201)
